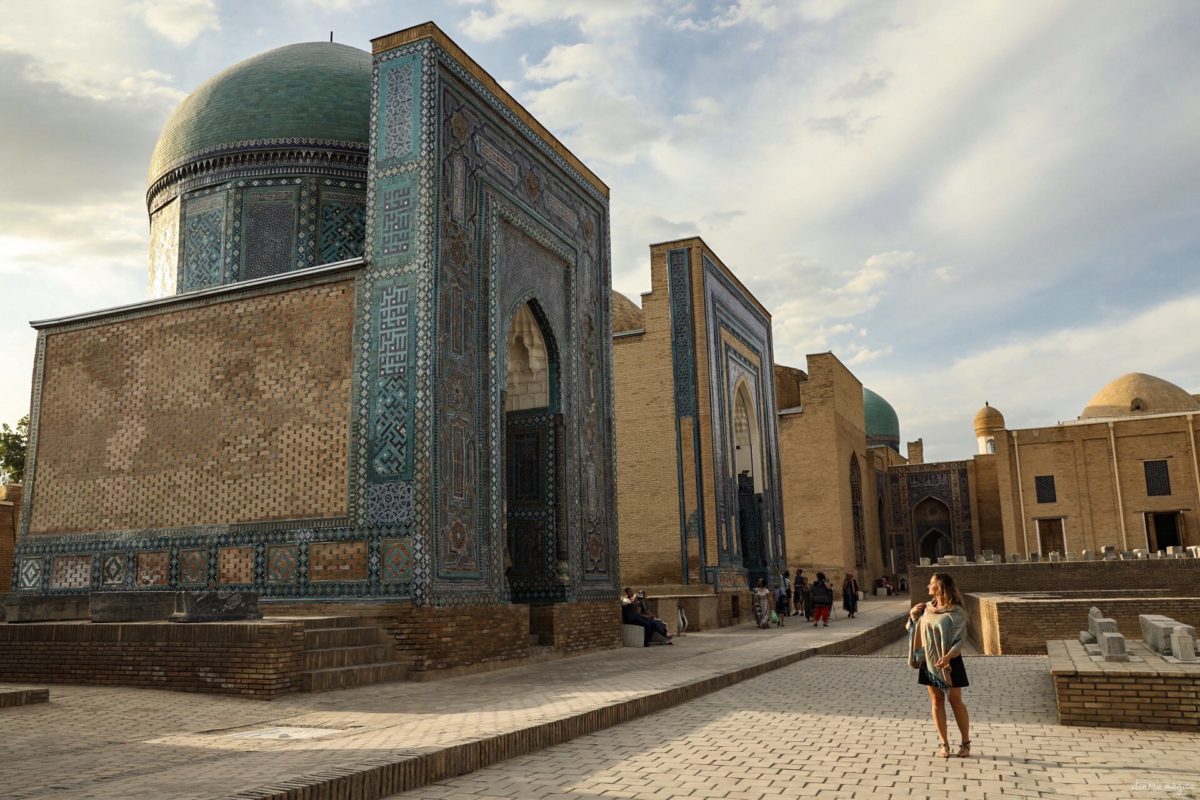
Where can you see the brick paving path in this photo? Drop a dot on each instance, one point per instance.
(848, 727)
(109, 742)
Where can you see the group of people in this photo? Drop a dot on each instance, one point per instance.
(634, 611)
(814, 599)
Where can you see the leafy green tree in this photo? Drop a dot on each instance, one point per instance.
(12, 450)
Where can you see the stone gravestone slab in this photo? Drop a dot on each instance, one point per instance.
(1183, 644)
(1112, 647)
(1054, 557)
(1157, 630)
(1141, 553)
(1195, 551)
(925, 562)
(989, 555)
(217, 606)
(1108, 552)
(1015, 558)
(131, 606)
(26, 607)
(1035, 557)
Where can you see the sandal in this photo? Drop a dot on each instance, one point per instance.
(964, 750)
(943, 750)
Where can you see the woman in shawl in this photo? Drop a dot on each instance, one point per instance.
(762, 604)
(850, 594)
(936, 631)
(822, 600)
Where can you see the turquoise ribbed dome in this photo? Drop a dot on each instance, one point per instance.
(313, 91)
(881, 418)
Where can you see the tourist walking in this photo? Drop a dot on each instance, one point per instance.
(787, 608)
(762, 604)
(800, 592)
(822, 600)
(936, 631)
(850, 594)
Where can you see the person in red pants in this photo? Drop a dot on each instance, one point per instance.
(822, 599)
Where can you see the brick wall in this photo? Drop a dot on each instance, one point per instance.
(1180, 576)
(1145, 694)
(437, 638)
(576, 627)
(260, 660)
(232, 412)
(1003, 625)
(10, 511)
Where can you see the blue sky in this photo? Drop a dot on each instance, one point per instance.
(965, 201)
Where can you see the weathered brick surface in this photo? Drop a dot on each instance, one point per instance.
(577, 627)
(1006, 625)
(1178, 576)
(438, 638)
(232, 412)
(10, 511)
(1146, 694)
(255, 660)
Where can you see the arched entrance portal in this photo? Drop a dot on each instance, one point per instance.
(532, 438)
(747, 459)
(932, 529)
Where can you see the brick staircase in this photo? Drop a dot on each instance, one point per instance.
(344, 652)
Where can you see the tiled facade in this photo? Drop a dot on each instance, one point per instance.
(337, 432)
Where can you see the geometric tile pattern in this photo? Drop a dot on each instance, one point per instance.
(112, 569)
(193, 567)
(71, 572)
(281, 563)
(399, 118)
(337, 561)
(343, 226)
(397, 560)
(203, 243)
(235, 565)
(30, 576)
(397, 219)
(392, 416)
(390, 504)
(268, 232)
(154, 569)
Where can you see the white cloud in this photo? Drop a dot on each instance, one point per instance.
(181, 21)
(499, 17)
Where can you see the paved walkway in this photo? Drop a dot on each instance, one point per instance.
(104, 742)
(849, 727)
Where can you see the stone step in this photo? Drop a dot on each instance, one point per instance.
(325, 638)
(22, 697)
(326, 680)
(337, 657)
(314, 623)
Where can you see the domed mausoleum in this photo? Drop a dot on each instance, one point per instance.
(1138, 393)
(988, 422)
(883, 425)
(262, 170)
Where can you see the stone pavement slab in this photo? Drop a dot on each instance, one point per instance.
(107, 742)
(849, 727)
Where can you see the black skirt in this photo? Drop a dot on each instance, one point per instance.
(958, 675)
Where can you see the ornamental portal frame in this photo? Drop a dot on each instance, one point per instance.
(345, 430)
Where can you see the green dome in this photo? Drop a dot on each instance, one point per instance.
(312, 91)
(881, 418)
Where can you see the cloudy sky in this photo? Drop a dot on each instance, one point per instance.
(965, 201)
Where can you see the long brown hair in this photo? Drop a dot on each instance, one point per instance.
(949, 591)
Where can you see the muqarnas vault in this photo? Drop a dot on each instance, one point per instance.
(378, 364)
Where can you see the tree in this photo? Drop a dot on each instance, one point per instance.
(12, 450)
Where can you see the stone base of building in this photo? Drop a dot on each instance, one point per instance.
(1022, 623)
(1149, 693)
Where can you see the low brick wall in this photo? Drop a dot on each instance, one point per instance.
(437, 638)
(1178, 576)
(261, 660)
(1148, 694)
(1011, 624)
(578, 627)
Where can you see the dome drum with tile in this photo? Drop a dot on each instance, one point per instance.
(262, 170)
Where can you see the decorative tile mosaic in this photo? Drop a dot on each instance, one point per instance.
(343, 226)
(397, 560)
(337, 561)
(392, 409)
(269, 232)
(193, 567)
(281, 563)
(71, 572)
(154, 569)
(29, 574)
(235, 565)
(203, 243)
(397, 218)
(390, 504)
(112, 569)
(164, 250)
(397, 90)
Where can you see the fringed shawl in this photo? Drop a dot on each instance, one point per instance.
(936, 634)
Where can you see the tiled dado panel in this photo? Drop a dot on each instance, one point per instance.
(71, 572)
(235, 565)
(234, 412)
(337, 561)
(154, 569)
